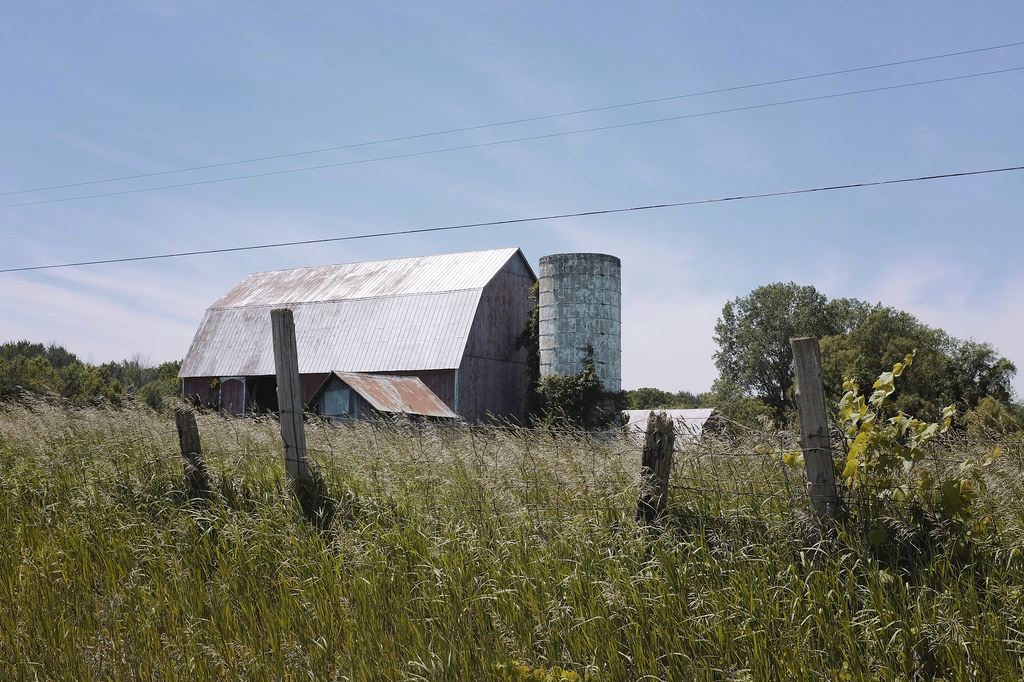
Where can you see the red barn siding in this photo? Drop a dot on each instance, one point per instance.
(198, 388)
(228, 393)
(310, 384)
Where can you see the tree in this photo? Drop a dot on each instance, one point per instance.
(33, 367)
(648, 398)
(740, 409)
(166, 386)
(753, 335)
(858, 341)
(947, 371)
(54, 371)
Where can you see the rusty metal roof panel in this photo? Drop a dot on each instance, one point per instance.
(373, 279)
(397, 394)
(392, 334)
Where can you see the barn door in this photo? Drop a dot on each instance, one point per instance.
(232, 396)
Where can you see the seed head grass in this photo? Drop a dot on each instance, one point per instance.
(473, 553)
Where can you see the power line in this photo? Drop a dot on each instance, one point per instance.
(515, 140)
(512, 221)
(512, 122)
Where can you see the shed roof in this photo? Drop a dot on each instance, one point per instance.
(395, 394)
(404, 314)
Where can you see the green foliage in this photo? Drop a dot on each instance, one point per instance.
(948, 370)
(579, 400)
(52, 371)
(740, 409)
(884, 453)
(753, 334)
(648, 399)
(857, 340)
(652, 398)
(164, 388)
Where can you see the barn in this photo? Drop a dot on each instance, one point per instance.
(449, 320)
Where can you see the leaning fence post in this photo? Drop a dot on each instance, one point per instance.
(196, 479)
(289, 393)
(659, 440)
(814, 439)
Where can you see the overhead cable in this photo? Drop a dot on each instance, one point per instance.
(479, 145)
(512, 221)
(530, 119)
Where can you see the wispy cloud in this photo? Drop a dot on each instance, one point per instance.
(93, 324)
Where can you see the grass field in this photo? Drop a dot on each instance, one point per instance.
(472, 554)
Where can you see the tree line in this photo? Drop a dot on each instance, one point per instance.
(859, 341)
(53, 371)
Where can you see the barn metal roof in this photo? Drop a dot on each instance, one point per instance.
(381, 316)
(372, 279)
(396, 394)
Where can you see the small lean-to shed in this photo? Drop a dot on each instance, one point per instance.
(450, 320)
(347, 395)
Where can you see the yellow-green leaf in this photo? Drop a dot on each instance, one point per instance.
(877, 398)
(794, 459)
(885, 380)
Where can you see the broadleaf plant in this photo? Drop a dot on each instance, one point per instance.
(882, 453)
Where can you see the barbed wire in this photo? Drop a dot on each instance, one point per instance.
(493, 471)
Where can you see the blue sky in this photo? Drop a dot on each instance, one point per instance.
(105, 90)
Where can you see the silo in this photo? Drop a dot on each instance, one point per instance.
(580, 305)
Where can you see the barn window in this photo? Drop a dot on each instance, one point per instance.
(337, 401)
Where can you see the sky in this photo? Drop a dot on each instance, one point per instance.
(423, 112)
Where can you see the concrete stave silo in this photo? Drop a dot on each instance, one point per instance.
(580, 307)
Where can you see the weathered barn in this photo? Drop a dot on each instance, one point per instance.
(450, 320)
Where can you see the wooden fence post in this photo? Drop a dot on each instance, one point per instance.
(814, 439)
(196, 478)
(289, 393)
(655, 465)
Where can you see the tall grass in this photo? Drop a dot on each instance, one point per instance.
(469, 554)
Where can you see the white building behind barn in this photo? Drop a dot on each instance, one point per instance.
(689, 423)
(449, 320)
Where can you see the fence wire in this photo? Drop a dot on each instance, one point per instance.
(484, 472)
